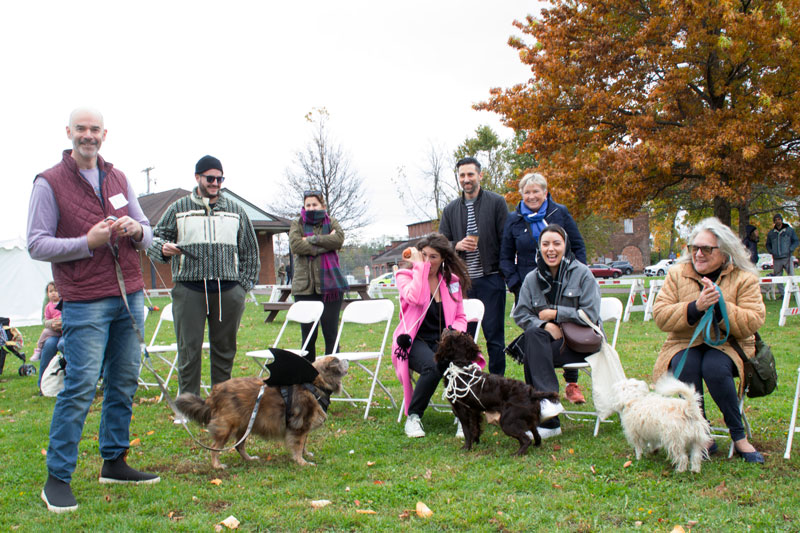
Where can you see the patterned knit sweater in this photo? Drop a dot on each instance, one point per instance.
(220, 235)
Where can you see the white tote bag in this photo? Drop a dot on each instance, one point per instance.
(606, 370)
(53, 376)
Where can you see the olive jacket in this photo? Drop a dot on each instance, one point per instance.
(743, 301)
(306, 278)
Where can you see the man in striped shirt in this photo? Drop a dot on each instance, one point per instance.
(474, 225)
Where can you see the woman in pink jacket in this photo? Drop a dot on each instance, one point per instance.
(431, 296)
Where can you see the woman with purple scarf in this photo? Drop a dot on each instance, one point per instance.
(315, 239)
(521, 239)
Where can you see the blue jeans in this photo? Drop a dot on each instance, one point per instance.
(491, 290)
(98, 334)
(49, 349)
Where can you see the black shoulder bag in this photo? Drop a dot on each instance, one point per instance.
(760, 375)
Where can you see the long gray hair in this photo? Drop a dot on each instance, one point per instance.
(728, 242)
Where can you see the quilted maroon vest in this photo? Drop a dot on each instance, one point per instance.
(79, 209)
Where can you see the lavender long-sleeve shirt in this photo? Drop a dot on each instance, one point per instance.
(43, 217)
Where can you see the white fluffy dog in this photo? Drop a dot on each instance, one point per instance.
(659, 419)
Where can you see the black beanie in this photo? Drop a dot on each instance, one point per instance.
(207, 162)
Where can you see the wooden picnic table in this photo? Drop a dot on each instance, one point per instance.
(283, 303)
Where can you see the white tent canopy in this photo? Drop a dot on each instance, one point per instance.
(22, 285)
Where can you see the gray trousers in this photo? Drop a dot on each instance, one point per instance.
(782, 264)
(189, 312)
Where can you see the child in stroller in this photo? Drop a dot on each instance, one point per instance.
(10, 342)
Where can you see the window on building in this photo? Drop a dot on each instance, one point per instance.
(628, 225)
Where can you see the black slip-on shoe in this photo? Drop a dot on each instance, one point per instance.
(118, 471)
(58, 496)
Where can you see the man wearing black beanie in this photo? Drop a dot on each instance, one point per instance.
(210, 243)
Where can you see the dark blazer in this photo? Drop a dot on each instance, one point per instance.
(518, 248)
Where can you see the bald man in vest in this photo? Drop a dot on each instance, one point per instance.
(83, 212)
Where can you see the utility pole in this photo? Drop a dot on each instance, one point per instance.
(147, 173)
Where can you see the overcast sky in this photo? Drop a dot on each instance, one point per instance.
(177, 80)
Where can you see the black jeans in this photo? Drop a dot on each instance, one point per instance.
(704, 363)
(420, 360)
(491, 290)
(543, 354)
(329, 322)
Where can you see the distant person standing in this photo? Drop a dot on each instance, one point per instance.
(781, 243)
(751, 242)
(315, 239)
(474, 225)
(210, 243)
(84, 218)
(282, 274)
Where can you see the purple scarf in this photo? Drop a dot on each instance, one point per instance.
(331, 279)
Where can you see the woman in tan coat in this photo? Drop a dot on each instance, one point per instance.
(716, 255)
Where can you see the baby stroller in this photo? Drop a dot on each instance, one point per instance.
(10, 342)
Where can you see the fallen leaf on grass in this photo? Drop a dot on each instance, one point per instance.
(572, 451)
(377, 482)
(678, 529)
(692, 523)
(627, 464)
(216, 481)
(151, 432)
(44, 452)
(556, 447)
(427, 474)
(557, 486)
(638, 523)
(370, 463)
(404, 515)
(365, 511)
(318, 504)
(592, 469)
(136, 442)
(423, 511)
(231, 522)
(108, 498)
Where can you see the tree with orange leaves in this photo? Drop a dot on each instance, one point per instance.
(633, 101)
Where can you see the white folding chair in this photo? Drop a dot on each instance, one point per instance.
(366, 312)
(610, 309)
(159, 351)
(793, 421)
(304, 312)
(474, 310)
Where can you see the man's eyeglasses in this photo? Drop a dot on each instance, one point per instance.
(306, 194)
(212, 179)
(707, 250)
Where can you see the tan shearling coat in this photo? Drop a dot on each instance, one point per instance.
(682, 285)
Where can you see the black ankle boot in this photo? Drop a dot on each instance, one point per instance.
(58, 496)
(118, 471)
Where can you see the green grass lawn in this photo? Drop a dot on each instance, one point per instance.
(374, 475)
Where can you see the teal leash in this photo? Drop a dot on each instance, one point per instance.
(705, 325)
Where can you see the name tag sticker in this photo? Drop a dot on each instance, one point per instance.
(453, 287)
(118, 201)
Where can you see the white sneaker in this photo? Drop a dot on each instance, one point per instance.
(414, 427)
(550, 409)
(459, 430)
(546, 433)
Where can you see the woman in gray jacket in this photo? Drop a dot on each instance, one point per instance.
(315, 239)
(552, 294)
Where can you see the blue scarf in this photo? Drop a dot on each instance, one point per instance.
(535, 220)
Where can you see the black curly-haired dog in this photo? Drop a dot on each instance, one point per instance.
(472, 392)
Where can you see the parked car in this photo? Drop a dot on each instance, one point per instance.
(605, 271)
(625, 266)
(766, 263)
(384, 280)
(660, 268)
